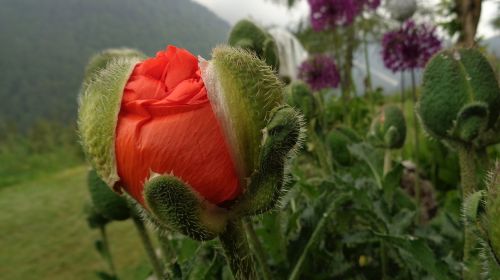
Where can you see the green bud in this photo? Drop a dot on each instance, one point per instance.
(108, 203)
(174, 205)
(247, 35)
(94, 218)
(460, 96)
(388, 129)
(101, 60)
(338, 140)
(299, 96)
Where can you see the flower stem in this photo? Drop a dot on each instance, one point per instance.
(468, 178)
(312, 240)
(257, 248)
(167, 250)
(416, 144)
(238, 255)
(387, 161)
(148, 246)
(107, 252)
(402, 90)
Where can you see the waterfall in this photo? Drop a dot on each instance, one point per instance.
(291, 52)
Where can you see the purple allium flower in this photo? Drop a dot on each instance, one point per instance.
(409, 47)
(319, 72)
(330, 13)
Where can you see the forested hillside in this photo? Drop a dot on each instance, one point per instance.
(44, 46)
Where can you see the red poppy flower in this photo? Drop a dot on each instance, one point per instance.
(166, 125)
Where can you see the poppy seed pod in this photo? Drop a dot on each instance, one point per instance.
(299, 96)
(196, 143)
(388, 129)
(106, 202)
(247, 35)
(460, 99)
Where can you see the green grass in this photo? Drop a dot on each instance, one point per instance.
(44, 234)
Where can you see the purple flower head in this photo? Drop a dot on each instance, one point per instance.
(409, 47)
(319, 72)
(330, 13)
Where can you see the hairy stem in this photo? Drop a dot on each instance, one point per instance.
(107, 252)
(257, 249)
(387, 161)
(167, 250)
(238, 255)
(468, 178)
(148, 246)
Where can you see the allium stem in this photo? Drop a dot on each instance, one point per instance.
(148, 246)
(368, 70)
(107, 252)
(238, 255)
(416, 143)
(468, 178)
(257, 248)
(402, 90)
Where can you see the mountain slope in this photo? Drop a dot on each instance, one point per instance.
(44, 45)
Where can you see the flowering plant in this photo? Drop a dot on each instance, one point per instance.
(198, 144)
(409, 47)
(330, 13)
(320, 72)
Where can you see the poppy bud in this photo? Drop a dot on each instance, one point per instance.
(189, 140)
(460, 96)
(247, 35)
(299, 96)
(388, 129)
(339, 139)
(94, 218)
(106, 202)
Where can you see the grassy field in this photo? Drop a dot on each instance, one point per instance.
(44, 234)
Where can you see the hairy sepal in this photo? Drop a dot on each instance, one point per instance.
(99, 105)
(175, 205)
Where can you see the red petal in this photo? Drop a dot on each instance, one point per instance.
(168, 126)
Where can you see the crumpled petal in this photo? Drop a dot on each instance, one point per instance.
(166, 125)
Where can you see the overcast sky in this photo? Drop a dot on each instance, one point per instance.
(268, 13)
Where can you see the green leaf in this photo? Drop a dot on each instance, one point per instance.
(391, 183)
(420, 253)
(371, 157)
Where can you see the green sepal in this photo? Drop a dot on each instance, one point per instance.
(99, 105)
(472, 121)
(93, 217)
(243, 91)
(388, 129)
(246, 34)
(102, 59)
(174, 205)
(453, 80)
(107, 203)
(282, 137)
